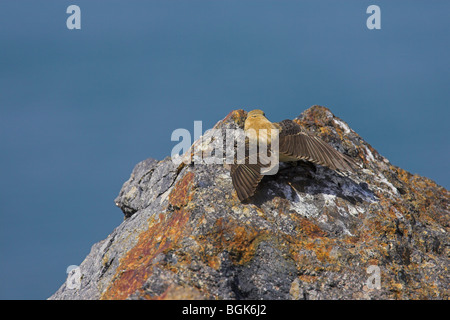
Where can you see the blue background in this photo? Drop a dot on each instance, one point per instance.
(79, 108)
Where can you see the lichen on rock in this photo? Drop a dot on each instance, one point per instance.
(308, 233)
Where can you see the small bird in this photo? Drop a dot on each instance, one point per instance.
(294, 145)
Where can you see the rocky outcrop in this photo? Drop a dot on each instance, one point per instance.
(308, 233)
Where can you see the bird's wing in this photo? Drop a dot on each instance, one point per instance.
(296, 144)
(246, 178)
(246, 175)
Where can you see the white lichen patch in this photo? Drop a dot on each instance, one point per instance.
(329, 199)
(323, 219)
(304, 204)
(342, 211)
(165, 195)
(342, 125)
(383, 179)
(369, 155)
(355, 210)
(352, 210)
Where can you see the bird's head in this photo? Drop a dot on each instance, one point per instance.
(255, 113)
(256, 120)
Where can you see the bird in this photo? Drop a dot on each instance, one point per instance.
(293, 145)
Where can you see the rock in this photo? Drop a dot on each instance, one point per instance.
(148, 181)
(308, 233)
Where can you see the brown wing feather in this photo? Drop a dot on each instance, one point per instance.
(246, 178)
(293, 143)
(302, 146)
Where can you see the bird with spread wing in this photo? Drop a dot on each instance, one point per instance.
(293, 145)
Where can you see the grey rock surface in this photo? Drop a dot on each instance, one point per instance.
(308, 233)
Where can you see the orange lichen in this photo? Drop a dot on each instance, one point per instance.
(240, 241)
(379, 235)
(135, 268)
(307, 278)
(238, 117)
(180, 195)
(308, 228)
